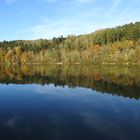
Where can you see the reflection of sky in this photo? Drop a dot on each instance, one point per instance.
(59, 111)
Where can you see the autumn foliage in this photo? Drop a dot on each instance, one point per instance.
(120, 45)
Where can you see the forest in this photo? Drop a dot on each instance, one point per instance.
(119, 45)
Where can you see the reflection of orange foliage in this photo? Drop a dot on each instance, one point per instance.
(114, 79)
(96, 49)
(97, 77)
(124, 80)
(85, 54)
(131, 82)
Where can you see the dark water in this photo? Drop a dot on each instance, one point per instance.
(69, 103)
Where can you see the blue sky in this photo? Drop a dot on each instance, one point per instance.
(33, 19)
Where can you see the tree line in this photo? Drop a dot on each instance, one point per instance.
(119, 45)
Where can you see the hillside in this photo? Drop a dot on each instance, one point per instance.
(119, 45)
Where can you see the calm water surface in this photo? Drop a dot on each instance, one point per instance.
(59, 103)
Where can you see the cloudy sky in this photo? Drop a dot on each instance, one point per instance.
(33, 19)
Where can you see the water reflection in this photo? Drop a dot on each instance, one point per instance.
(69, 103)
(120, 81)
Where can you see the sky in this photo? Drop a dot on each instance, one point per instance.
(35, 19)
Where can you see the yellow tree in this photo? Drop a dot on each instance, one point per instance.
(18, 54)
(8, 57)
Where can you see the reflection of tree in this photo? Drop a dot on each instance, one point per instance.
(121, 81)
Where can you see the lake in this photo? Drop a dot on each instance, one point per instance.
(69, 102)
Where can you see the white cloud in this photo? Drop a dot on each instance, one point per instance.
(10, 1)
(116, 2)
(85, 1)
(59, 27)
(79, 1)
(81, 23)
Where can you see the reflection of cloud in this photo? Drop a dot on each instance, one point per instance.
(59, 90)
(104, 125)
(12, 122)
(15, 124)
